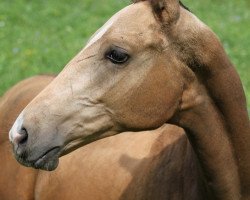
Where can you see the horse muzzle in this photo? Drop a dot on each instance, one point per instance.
(31, 151)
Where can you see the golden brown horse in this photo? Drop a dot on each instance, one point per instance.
(165, 65)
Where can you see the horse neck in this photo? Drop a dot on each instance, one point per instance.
(205, 55)
(208, 135)
(226, 89)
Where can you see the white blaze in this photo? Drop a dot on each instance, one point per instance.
(99, 34)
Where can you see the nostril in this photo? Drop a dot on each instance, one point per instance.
(22, 137)
(24, 133)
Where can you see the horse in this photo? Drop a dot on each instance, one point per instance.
(164, 66)
(132, 157)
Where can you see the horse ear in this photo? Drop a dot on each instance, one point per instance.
(168, 11)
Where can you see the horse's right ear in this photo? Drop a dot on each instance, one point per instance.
(167, 11)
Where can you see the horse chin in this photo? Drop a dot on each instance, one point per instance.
(49, 165)
(48, 161)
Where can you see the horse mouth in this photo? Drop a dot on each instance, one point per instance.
(47, 161)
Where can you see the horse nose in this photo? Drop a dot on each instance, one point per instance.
(20, 137)
(18, 134)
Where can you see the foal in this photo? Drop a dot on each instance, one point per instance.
(165, 65)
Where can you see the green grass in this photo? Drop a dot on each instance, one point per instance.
(42, 36)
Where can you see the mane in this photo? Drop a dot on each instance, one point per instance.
(181, 4)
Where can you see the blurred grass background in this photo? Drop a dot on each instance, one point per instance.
(42, 36)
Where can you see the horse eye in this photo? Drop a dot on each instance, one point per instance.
(117, 56)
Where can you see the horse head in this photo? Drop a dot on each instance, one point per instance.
(128, 77)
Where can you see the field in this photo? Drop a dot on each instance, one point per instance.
(42, 36)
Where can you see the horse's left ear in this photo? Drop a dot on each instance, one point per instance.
(168, 11)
